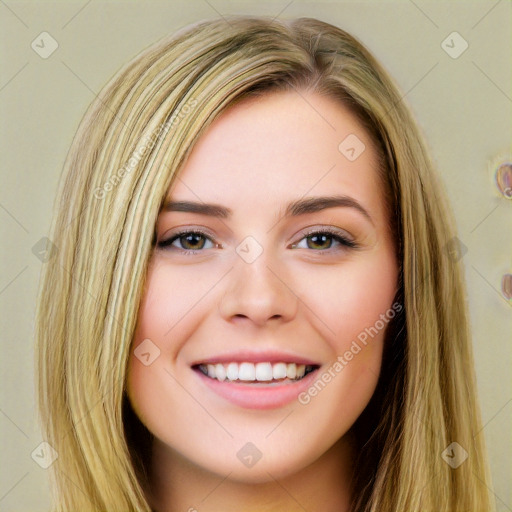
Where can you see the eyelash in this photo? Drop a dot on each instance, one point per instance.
(348, 244)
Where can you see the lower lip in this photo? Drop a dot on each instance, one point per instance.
(252, 397)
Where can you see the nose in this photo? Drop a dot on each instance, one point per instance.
(258, 292)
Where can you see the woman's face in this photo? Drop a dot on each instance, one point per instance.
(278, 279)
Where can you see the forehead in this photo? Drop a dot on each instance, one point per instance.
(272, 149)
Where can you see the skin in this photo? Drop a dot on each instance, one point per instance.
(312, 299)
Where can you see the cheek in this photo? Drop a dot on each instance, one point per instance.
(352, 303)
(167, 318)
(169, 296)
(171, 302)
(154, 397)
(153, 346)
(355, 305)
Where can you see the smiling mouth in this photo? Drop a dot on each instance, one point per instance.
(256, 373)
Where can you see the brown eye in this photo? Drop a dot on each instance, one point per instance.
(318, 241)
(188, 240)
(192, 241)
(324, 240)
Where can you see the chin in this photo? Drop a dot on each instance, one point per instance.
(267, 465)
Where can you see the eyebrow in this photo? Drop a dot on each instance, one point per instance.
(293, 209)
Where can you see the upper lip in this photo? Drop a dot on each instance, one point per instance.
(251, 356)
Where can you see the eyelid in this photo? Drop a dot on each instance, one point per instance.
(327, 229)
(180, 230)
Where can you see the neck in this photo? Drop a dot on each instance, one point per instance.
(178, 485)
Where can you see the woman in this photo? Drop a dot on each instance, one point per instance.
(311, 350)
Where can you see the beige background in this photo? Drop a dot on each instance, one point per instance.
(463, 106)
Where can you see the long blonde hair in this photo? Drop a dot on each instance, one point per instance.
(126, 154)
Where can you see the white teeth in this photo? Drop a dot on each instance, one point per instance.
(220, 372)
(232, 371)
(279, 371)
(246, 371)
(250, 372)
(263, 371)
